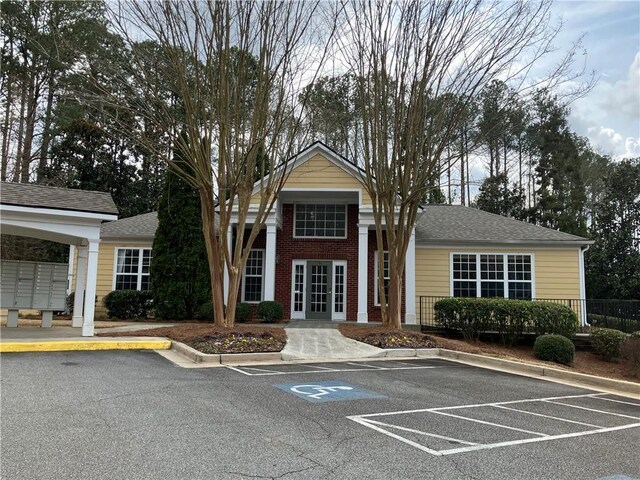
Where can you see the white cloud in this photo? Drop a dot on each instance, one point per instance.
(624, 96)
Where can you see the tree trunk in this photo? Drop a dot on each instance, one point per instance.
(6, 130)
(46, 130)
(462, 162)
(213, 252)
(16, 162)
(395, 298)
(28, 136)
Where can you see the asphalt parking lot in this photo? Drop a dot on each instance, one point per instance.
(81, 415)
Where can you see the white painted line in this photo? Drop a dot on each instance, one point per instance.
(538, 439)
(547, 416)
(367, 365)
(319, 367)
(261, 369)
(419, 432)
(591, 409)
(491, 424)
(239, 370)
(420, 410)
(618, 401)
(301, 372)
(393, 435)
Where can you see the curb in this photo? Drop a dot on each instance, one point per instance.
(225, 358)
(511, 366)
(85, 345)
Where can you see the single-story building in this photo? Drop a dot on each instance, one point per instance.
(316, 254)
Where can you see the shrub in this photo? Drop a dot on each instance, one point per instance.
(630, 355)
(69, 303)
(510, 318)
(126, 304)
(554, 348)
(243, 312)
(270, 312)
(606, 342)
(205, 311)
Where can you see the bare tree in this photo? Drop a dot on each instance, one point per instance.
(232, 108)
(418, 65)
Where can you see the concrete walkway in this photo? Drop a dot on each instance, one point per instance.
(308, 340)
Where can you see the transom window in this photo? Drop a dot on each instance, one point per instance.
(132, 269)
(386, 277)
(252, 280)
(320, 220)
(483, 275)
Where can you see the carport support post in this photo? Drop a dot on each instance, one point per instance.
(90, 291)
(81, 280)
(270, 263)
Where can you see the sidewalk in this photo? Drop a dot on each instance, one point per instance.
(309, 340)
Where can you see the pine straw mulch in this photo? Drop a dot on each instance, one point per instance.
(584, 362)
(210, 339)
(383, 337)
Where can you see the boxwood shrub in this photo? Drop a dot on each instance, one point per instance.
(554, 348)
(128, 304)
(243, 312)
(510, 318)
(270, 312)
(606, 342)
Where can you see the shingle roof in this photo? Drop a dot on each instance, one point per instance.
(42, 196)
(457, 224)
(140, 226)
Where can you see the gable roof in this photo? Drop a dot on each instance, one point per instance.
(43, 196)
(141, 226)
(455, 224)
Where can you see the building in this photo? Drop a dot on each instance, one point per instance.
(316, 254)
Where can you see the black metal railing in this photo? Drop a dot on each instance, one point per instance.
(619, 314)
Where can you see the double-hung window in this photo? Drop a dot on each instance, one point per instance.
(385, 276)
(486, 275)
(132, 269)
(253, 278)
(320, 220)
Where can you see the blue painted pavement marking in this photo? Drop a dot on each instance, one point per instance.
(327, 391)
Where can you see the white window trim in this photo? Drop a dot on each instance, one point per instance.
(244, 275)
(346, 220)
(298, 315)
(339, 315)
(506, 280)
(376, 295)
(140, 260)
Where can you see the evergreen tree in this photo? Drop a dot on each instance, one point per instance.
(496, 197)
(179, 269)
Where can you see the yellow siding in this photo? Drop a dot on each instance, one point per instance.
(106, 258)
(556, 270)
(319, 172)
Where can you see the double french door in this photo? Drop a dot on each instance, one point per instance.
(319, 290)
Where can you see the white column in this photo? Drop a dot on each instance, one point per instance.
(81, 280)
(226, 270)
(410, 282)
(270, 264)
(90, 289)
(363, 272)
(583, 288)
(72, 254)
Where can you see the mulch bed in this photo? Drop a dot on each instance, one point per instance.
(210, 339)
(584, 362)
(387, 338)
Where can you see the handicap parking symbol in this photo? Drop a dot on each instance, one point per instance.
(327, 391)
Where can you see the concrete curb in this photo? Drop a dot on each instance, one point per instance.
(225, 358)
(511, 366)
(148, 343)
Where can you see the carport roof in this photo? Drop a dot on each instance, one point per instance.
(42, 196)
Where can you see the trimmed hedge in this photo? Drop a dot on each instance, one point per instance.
(510, 318)
(270, 312)
(630, 355)
(606, 342)
(554, 348)
(128, 304)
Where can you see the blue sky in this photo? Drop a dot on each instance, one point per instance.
(610, 114)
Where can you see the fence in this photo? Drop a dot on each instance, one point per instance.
(620, 314)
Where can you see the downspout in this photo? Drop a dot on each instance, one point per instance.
(583, 289)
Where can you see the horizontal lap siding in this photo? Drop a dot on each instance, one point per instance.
(556, 270)
(318, 172)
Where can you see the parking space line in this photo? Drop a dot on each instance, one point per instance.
(492, 424)
(426, 434)
(359, 364)
(264, 372)
(317, 367)
(591, 409)
(393, 435)
(618, 401)
(239, 370)
(547, 416)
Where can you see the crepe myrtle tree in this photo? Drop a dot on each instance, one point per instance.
(233, 71)
(418, 65)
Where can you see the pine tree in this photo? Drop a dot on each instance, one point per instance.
(179, 268)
